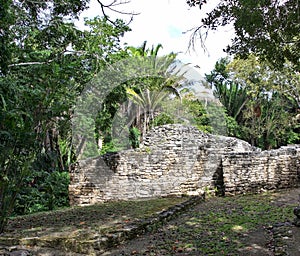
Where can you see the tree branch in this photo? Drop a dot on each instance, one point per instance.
(200, 32)
(197, 33)
(111, 7)
(30, 63)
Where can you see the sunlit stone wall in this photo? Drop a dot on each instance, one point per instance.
(254, 172)
(181, 160)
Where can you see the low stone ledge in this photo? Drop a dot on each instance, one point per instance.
(95, 244)
(145, 225)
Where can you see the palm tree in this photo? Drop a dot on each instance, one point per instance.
(232, 95)
(148, 104)
(147, 93)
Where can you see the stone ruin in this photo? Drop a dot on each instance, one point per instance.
(176, 160)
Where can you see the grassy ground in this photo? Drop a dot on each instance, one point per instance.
(219, 226)
(80, 229)
(101, 216)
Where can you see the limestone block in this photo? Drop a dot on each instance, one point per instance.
(177, 159)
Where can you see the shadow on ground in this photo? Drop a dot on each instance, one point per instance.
(241, 225)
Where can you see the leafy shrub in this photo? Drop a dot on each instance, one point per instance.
(109, 147)
(44, 191)
(162, 119)
(134, 137)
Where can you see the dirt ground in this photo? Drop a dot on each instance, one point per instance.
(282, 239)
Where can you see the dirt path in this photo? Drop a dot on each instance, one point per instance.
(280, 239)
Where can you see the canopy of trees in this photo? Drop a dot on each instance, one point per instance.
(260, 87)
(268, 28)
(46, 63)
(262, 112)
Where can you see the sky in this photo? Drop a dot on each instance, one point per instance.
(164, 22)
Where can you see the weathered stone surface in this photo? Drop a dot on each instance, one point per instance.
(255, 171)
(178, 160)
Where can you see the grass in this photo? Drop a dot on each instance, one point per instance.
(102, 217)
(218, 226)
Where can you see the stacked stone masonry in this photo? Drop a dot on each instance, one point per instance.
(253, 171)
(181, 160)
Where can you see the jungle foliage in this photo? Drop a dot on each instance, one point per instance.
(45, 63)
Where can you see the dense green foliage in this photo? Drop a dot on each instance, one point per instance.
(140, 103)
(262, 111)
(260, 89)
(45, 191)
(40, 49)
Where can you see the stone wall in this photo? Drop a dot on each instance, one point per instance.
(177, 160)
(253, 171)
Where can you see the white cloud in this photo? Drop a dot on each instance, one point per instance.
(161, 21)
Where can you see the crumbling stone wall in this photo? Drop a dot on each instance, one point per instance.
(253, 171)
(176, 160)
